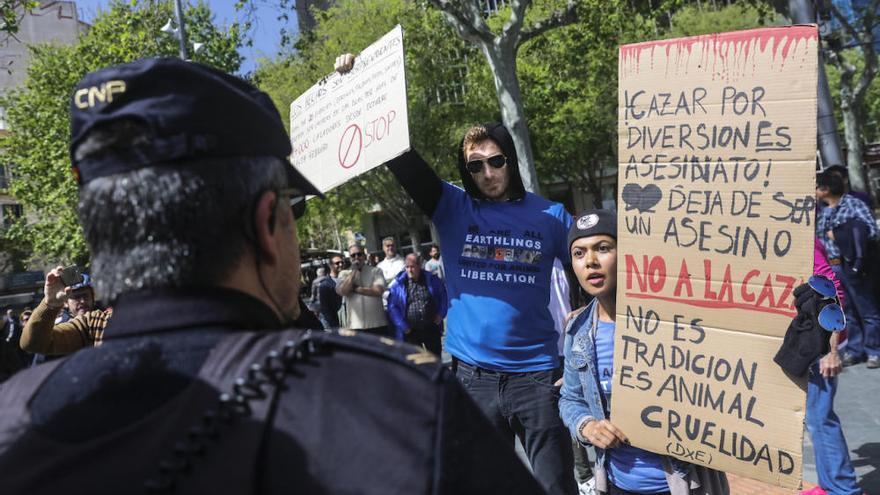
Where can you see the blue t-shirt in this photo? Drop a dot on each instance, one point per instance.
(498, 258)
(629, 468)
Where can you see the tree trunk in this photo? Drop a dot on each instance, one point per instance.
(852, 133)
(415, 239)
(502, 61)
(828, 139)
(336, 237)
(435, 234)
(467, 17)
(852, 127)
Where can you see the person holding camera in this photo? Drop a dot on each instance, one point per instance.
(362, 287)
(66, 320)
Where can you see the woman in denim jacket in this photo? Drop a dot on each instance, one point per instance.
(584, 406)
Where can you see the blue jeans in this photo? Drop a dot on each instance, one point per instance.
(862, 314)
(833, 467)
(526, 405)
(330, 325)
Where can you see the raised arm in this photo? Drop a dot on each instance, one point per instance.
(41, 334)
(418, 179)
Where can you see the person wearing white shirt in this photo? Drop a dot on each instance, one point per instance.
(393, 263)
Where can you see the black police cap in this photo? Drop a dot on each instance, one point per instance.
(192, 111)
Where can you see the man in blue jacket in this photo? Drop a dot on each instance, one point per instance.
(417, 305)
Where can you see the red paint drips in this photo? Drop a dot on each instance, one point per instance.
(786, 38)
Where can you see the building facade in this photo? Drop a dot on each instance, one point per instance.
(51, 22)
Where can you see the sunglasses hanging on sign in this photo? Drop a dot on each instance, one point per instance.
(831, 316)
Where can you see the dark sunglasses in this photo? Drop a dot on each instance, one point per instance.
(476, 166)
(358, 255)
(831, 317)
(297, 201)
(337, 263)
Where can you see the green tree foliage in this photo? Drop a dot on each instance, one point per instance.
(872, 109)
(568, 78)
(38, 113)
(703, 18)
(433, 63)
(10, 15)
(852, 50)
(871, 127)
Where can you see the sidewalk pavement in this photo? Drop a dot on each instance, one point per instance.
(745, 486)
(858, 406)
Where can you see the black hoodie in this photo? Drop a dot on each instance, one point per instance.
(425, 187)
(503, 139)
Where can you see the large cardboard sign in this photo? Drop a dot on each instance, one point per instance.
(347, 124)
(717, 147)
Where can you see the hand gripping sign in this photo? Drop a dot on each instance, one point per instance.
(347, 124)
(717, 146)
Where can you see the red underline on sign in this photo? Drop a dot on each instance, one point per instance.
(715, 304)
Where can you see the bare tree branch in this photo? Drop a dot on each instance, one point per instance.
(868, 74)
(866, 45)
(871, 14)
(850, 30)
(468, 22)
(556, 19)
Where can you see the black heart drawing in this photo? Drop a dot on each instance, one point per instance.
(641, 198)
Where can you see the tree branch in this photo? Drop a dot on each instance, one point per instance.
(868, 73)
(867, 47)
(470, 25)
(850, 30)
(871, 15)
(556, 19)
(513, 26)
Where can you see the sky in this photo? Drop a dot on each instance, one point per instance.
(265, 32)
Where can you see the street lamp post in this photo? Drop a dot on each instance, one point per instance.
(803, 12)
(181, 30)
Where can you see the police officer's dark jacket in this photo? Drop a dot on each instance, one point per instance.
(322, 413)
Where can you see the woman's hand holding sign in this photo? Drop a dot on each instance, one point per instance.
(603, 434)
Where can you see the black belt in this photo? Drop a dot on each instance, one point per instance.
(457, 363)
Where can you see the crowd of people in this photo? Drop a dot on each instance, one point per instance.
(208, 371)
(399, 297)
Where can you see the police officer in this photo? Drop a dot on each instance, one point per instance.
(189, 205)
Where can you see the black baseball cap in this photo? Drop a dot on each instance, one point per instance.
(192, 110)
(593, 222)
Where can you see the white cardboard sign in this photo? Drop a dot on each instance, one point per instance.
(347, 124)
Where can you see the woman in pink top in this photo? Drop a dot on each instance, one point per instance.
(833, 466)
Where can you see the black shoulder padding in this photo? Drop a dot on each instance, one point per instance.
(407, 355)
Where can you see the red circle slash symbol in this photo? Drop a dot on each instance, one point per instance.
(350, 146)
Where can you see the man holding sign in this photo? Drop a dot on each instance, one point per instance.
(501, 242)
